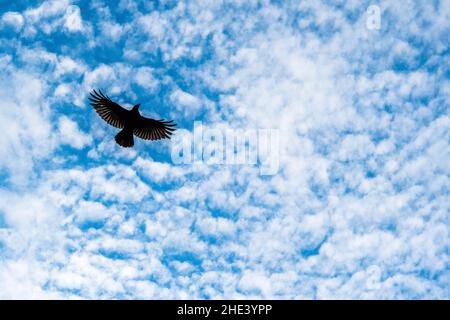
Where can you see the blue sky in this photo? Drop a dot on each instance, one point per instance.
(358, 209)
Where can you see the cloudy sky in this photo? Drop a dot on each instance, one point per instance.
(359, 207)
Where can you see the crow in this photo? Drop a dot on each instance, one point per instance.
(130, 121)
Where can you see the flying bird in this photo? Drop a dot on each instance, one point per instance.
(130, 121)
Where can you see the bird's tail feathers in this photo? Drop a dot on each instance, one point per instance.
(125, 138)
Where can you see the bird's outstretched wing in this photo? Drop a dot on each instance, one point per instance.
(108, 110)
(150, 129)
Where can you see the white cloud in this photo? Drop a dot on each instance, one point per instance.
(67, 65)
(47, 9)
(91, 211)
(52, 15)
(144, 78)
(255, 283)
(62, 90)
(185, 102)
(70, 134)
(100, 74)
(158, 171)
(112, 31)
(14, 19)
(26, 116)
(216, 227)
(184, 99)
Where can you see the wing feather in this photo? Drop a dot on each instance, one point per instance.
(151, 129)
(108, 110)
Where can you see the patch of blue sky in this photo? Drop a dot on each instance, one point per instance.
(93, 224)
(3, 223)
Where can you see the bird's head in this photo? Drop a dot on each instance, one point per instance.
(136, 107)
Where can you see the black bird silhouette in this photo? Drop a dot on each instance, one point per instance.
(130, 121)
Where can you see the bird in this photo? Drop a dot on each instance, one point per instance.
(130, 121)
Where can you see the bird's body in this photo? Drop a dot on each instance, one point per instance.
(125, 137)
(130, 121)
